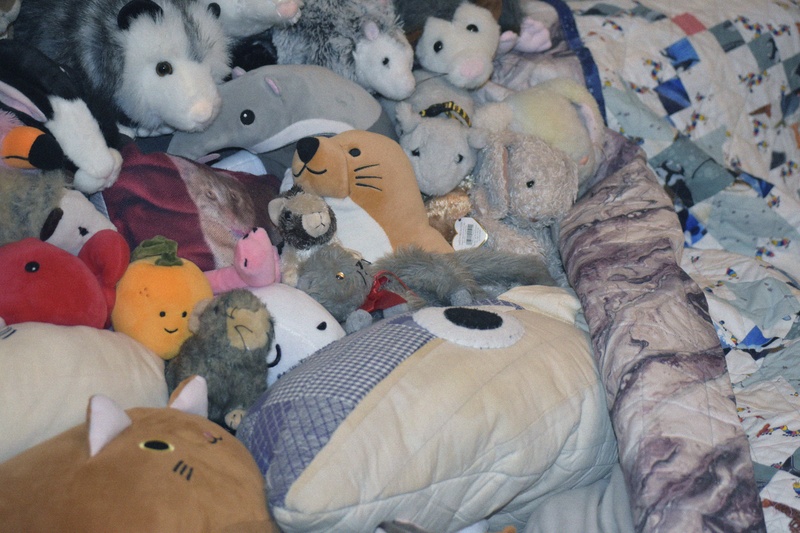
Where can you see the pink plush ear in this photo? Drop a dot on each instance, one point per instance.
(107, 255)
(106, 420)
(15, 99)
(370, 29)
(191, 396)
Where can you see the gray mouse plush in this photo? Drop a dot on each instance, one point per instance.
(233, 333)
(355, 291)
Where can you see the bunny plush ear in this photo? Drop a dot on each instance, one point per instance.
(191, 396)
(106, 420)
(491, 178)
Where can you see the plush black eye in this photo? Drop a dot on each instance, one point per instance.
(247, 117)
(164, 68)
(460, 158)
(385, 61)
(415, 152)
(322, 326)
(473, 28)
(33, 266)
(437, 46)
(355, 152)
(340, 276)
(162, 314)
(156, 446)
(530, 183)
(184, 314)
(287, 215)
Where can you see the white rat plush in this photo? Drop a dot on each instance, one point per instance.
(434, 127)
(359, 40)
(156, 65)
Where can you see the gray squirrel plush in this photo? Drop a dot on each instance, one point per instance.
(233, 334)
(355, 291)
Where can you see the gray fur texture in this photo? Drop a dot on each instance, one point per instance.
(84, 37)
(233, 333)
(26, 201)
(328, 32)
(340, 281)
(305, 222)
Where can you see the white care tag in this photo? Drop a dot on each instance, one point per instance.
(469, 234)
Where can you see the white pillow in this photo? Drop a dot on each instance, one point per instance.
(393, 422)
(48, 373)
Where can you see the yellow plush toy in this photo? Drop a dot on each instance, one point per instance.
(156, 296)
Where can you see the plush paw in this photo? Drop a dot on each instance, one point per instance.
(533, 36)
(357, 320)
(234, 418)
(102, 175)
(461, 297)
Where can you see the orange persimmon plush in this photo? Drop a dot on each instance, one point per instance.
(156, 295)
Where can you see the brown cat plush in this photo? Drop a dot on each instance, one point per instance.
(144, 469)
(369, 182)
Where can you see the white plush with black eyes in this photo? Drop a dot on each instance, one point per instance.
(462, 48)
(154, 64)
(383, 62)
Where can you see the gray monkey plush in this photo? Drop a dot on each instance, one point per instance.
(233, 333)
(356, 291)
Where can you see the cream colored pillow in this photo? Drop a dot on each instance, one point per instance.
(48, 373)
(397, 423)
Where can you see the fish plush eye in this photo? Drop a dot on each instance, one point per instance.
(437, 46)
(473, 28)
(164, 68)
(247, 117)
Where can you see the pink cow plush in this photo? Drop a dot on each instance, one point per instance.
(255, 264)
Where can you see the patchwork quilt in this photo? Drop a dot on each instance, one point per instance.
(710, 91)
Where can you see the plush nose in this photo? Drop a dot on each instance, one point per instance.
(306, 148)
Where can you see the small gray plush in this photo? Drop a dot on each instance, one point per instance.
(305, 222)
(412, 278)
(359, 40)
(233, 334)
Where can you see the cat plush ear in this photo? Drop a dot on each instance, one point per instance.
(106, 420)
(191, 396)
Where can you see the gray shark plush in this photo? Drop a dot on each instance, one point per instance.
(268, 109)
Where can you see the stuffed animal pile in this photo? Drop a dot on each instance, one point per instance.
(232, 185)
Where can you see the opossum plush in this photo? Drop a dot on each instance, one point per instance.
(359, 40)
(155, 63)
(243, 18)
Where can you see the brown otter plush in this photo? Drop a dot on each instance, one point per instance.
(369, 182)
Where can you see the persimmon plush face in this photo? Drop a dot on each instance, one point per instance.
(154, 303)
